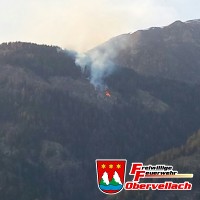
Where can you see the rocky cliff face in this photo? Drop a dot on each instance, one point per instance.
(171, 52)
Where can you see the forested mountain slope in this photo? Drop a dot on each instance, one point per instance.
(54, 123)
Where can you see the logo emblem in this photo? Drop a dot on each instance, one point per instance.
(110, 175)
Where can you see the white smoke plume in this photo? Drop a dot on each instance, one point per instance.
(100, 64)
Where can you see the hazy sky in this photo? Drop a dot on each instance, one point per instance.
(83, 24)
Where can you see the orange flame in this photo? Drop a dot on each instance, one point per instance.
(107, 93)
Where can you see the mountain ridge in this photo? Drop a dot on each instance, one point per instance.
(165, 52)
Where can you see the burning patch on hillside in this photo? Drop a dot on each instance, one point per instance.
(107, 93)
